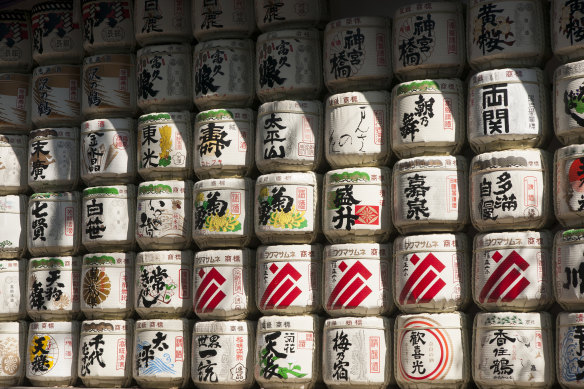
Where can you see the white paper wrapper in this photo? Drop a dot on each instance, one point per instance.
(13, 160)
(569, 186)
(289, 279)
(15, 102)
(567, 267)
(13, 224)
(12, 355)
(108, 26)
(162, 22)
(568, 121)
(13, 289)
(223, 19)
(566, 39)
(513, 350)
(568, 366)
(270, 15)
(16, 47)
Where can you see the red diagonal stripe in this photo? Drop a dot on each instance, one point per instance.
(359, 297)
(279, 293)
(433, 291)
(290, 298)
(208, 294)
(512, 259)
(212, 275)
(514, 292)
(429, 261)
(286, 270)
(422, 285)
(357, 268)
(213, 303)
(355, 285)
(503, 285)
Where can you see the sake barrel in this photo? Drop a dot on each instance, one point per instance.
(109, 88)
(357, 279)
(510, 190)
(13, 224)
(429, 41)
(105, 353)
(13, 289)
(163, 215)
(289, 279)
(569, 327)
(223, 143)
(568, 265)
(164, 145)
(428, 117)
(164, 76)
(270, 15)
(569, 186)
(53, 288)
(108, 151)
(356, 129)
(15, 103)
(512, 271)
(15, 45)
(163, 283)
(162, 353)
(56, 32)
(295, 343)
(429, 194)
(566, 32)
(357, 352)
(54, 224)
(12, 353)
(222, 72)
(357, 205)
(108, 216)
(513, 350)
(508, 33)
(223, 213)
(107, 285)
(222, 19)
(492, 125)
(56, 96)
(568, 121)
(162, 22)
(222, 354)
(289, 136)
(432, 349)
(287, 208)
(108, 26)
(357, 54)
(224, 284)
(432, 273)
(288, 65)
(13, 160)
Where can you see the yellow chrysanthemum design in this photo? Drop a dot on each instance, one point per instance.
(264, 192)
(291, 219)
(225, 223)
(165, 141)
(200, 197)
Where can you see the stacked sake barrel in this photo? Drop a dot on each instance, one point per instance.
(510, 194)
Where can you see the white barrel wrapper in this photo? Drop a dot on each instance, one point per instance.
(287, 208)
(223, 145)
(432, 273)
(222, 72)
(54, 223)
(162, 353)
(513, 350)
(51, 353)
(567, 100)
(13, 292)
(223, 354)
(288, 352)
(569, 269)
(289, 136)
(569, 328)
(357, 279)
(569, 186)
(163, 73)
(428, 118)
(108, 218)
(512, 271)
(223, 19)
(16, 46)
(357, 54)
(163, 284)
(108, 26)
(507, 33)
(15, 102)
(105, 353)
(356, 352)
(162, 22)
(508, 108)
(13, 224)
(56, 96)
(12, 352)
(109, 87)
(289, 279)
(356, 129)
(288, 65)
(13, 160)
(511, 190)
(107, 285)
(224, 284)
(357, 206)
(56, 32)
(429, 41)
(430, 194)
(432, 350)
(567, 44)
(223, 212)
(163, 215)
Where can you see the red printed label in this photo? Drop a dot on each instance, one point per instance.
(452, 189)
(184, 283)
(507, 281)
(242, 141)
(121, 360)
(307, 135)
(69, 221)
(378, 138)
(235, 203)
(73, 90)
(380, 46)
(301, 198)
(68, 348)
(374, 357)
(447, 114)
(179, 350)
(530, 188)
(451, 36)
(123, 288)
(283, 289)
(75, 285)
(120, 141)
(424, 283)
(352, 288)
(368, 214)
(209, 294)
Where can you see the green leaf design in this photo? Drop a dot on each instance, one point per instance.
(164, 162)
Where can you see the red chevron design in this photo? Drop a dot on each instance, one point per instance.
(502, 279)
(351, 289)
(282, 290)
(209, 294)
(430, 279)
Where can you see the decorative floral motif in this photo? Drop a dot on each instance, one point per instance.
(96, 287)
(292, 219)
(225, 223)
